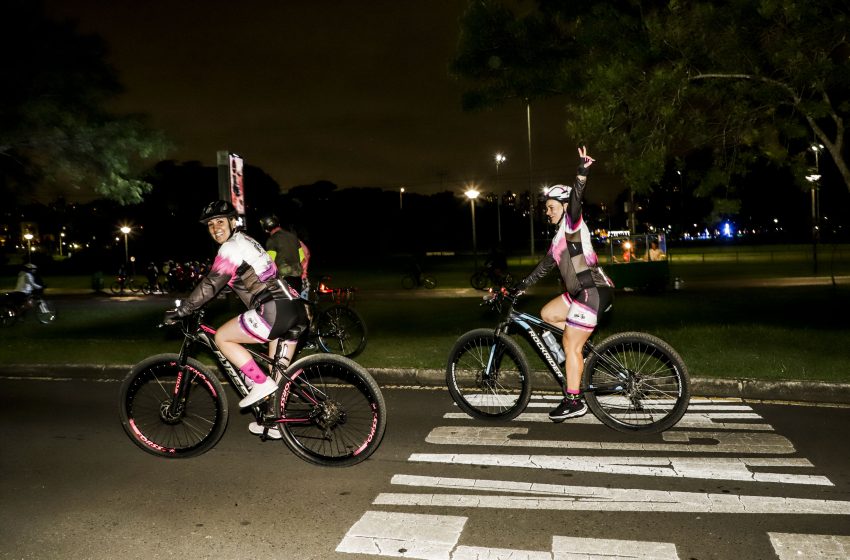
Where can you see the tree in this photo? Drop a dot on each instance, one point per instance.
(54, 128)
(649, 82)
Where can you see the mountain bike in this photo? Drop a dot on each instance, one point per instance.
(632, 381)
(490, 277)
(337, 329)
(416, 279)
(329, 410)
(124, 283)
(14, 306)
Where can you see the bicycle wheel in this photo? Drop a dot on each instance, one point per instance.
(636, 382)
(133, 287)
(8, 316)
(147, 289)
(44, 311)
(479, 280)
(488, 378)
(429, 282)
(332, 412)
(408, 282)
(116, 288)
(341, 330)
(145, 399)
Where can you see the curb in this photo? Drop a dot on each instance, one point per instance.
(821, 392)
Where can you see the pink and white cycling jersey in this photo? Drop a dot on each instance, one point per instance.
(244, 265)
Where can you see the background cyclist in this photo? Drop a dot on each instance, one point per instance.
(588, 291)
(273, 306)
(283, 246)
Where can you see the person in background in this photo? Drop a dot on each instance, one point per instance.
(656, 254)
(283, 247)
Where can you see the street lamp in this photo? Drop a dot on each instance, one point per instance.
(28, 237)
(814, 179)
(500, 159)
(472, 194)
(126, 231)
(400, 193)
(61, 239)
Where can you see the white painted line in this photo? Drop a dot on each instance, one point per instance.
(576, 548)
(596, 498)
(810, 547)
(483, 553)
(408, 535)
(687, 421)
(680, 441)
(711, 468)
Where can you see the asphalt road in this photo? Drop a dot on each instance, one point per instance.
(733, 480)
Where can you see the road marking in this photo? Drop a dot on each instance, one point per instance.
(706, 420)
(712, 468)
(595, 498)
(726, 442)
(435, 537)
(408, 535)
(810, 547)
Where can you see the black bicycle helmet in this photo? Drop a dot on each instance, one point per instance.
(269, 222)
(217, 209)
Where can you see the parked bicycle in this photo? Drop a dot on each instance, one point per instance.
(124, 283)
(414, 280)
(632, 381)
(490, 277)
(337, 329)
(329, 410)
(14, 306)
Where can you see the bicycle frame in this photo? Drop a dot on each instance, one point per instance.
(195, 331)
(528, 322)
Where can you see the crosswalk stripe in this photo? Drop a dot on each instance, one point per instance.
(677, 441)
(687, 421)
(811, 547)
(712, 468)
(411, 535)
(595, 498)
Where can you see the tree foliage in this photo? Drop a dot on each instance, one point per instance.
(55, 129)
(652, 82)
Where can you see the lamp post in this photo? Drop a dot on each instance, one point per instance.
(814, 179)
(500, 159)
(28, 237)
(126, 231)
(400, 193)
(472, 194)
(61, 239)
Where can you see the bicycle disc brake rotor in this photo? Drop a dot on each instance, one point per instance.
(166, 414)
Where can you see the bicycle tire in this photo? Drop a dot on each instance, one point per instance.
(636, 382)
(44, 312)
(503, 397)
(408, 282)
(8, 316)
(341, 330)
(144, 397)
(116, 288)
(429, 282)
(478, 281)
(147, 289)
(133, 287)
(340, 419)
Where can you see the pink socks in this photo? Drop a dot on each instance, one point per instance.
(253, 372)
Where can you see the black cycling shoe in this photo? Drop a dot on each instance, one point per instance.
(569, 408)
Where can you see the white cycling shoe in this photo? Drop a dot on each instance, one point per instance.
(257, 430)
(258, 392)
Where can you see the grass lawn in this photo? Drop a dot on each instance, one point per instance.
(765, 333)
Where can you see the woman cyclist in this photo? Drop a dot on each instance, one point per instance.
(273, 307)
(588, 291)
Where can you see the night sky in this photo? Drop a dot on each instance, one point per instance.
(357, 93)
